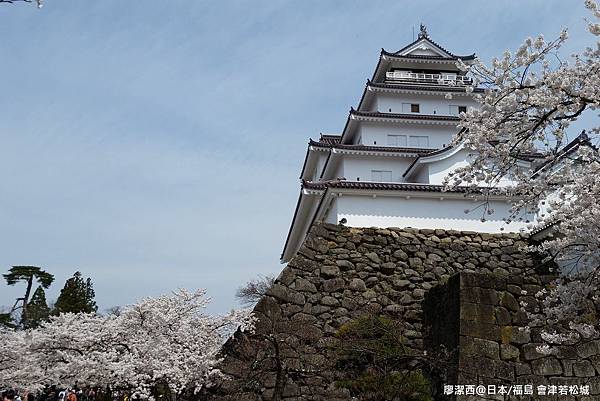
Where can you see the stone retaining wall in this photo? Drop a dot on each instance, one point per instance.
(341, 273)
(497, 349)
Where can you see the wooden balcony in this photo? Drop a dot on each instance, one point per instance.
(441, 79)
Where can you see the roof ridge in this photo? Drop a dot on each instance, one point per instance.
(432, 87)
(390, 149)
(403, 115)
(390, 186)
(428, 39)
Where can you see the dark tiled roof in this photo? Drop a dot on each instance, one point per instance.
(378, 114)
(391, 149)
(422, 57)
(438, 88)
(454, 56)
(329, 139)
(384, 186)
(522, 156)
(581, 140)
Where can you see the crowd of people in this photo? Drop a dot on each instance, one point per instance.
(53, 393)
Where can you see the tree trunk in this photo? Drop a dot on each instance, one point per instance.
(26, 300)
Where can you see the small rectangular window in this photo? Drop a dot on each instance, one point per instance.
(396, 140)
(418, 141)
(456, 110)
(410, 108)
(381, 175)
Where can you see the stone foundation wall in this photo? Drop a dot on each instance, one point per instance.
(497, 349)
(341, 273)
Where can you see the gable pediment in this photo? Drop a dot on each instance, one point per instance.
(424, 47)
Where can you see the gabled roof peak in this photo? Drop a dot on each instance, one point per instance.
(424, 42)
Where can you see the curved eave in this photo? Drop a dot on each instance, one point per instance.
(297, 232)
(396, 187)
(426, 38)
(405, 87)
(311, 157)
(436, 155)
(450, 59)
(367, 149)
(401, 117)
(380, 151)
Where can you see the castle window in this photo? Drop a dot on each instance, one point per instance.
(381, 175)
(410, 108)
(418, 141)
(456, 110)
(396, 140)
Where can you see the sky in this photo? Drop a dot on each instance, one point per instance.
(155, 145)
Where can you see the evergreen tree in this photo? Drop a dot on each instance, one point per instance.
(76, 296)
(27, 274)
(37, 309)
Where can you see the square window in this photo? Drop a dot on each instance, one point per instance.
(462, 109)
(396, 140)
(381, 175)
(418, 141)
(414, 108)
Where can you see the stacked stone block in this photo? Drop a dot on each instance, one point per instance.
(498, 347)
(342, 273)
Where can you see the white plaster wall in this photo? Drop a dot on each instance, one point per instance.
(376, 134)
(340, 170)
(424, 52)
(332, 214)
(320, 165)
(386, 211)
(422, 176)
(358, 168)
(428, 104)
(440, 169)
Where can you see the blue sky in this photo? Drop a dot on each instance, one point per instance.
(157, 144)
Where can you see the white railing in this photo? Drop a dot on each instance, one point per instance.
(429, 78)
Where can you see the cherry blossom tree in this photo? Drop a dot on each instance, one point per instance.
(166, 342)
(523, 130)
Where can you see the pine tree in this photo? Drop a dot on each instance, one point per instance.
(27, 274)
(76, 296)
(37, 309)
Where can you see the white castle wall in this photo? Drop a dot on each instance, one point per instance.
(428, 104)
(387, 211)
(359, 168)
(377, 135)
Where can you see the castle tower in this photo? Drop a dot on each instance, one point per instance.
(386, 167)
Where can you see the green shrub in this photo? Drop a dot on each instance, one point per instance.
(374, 364)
